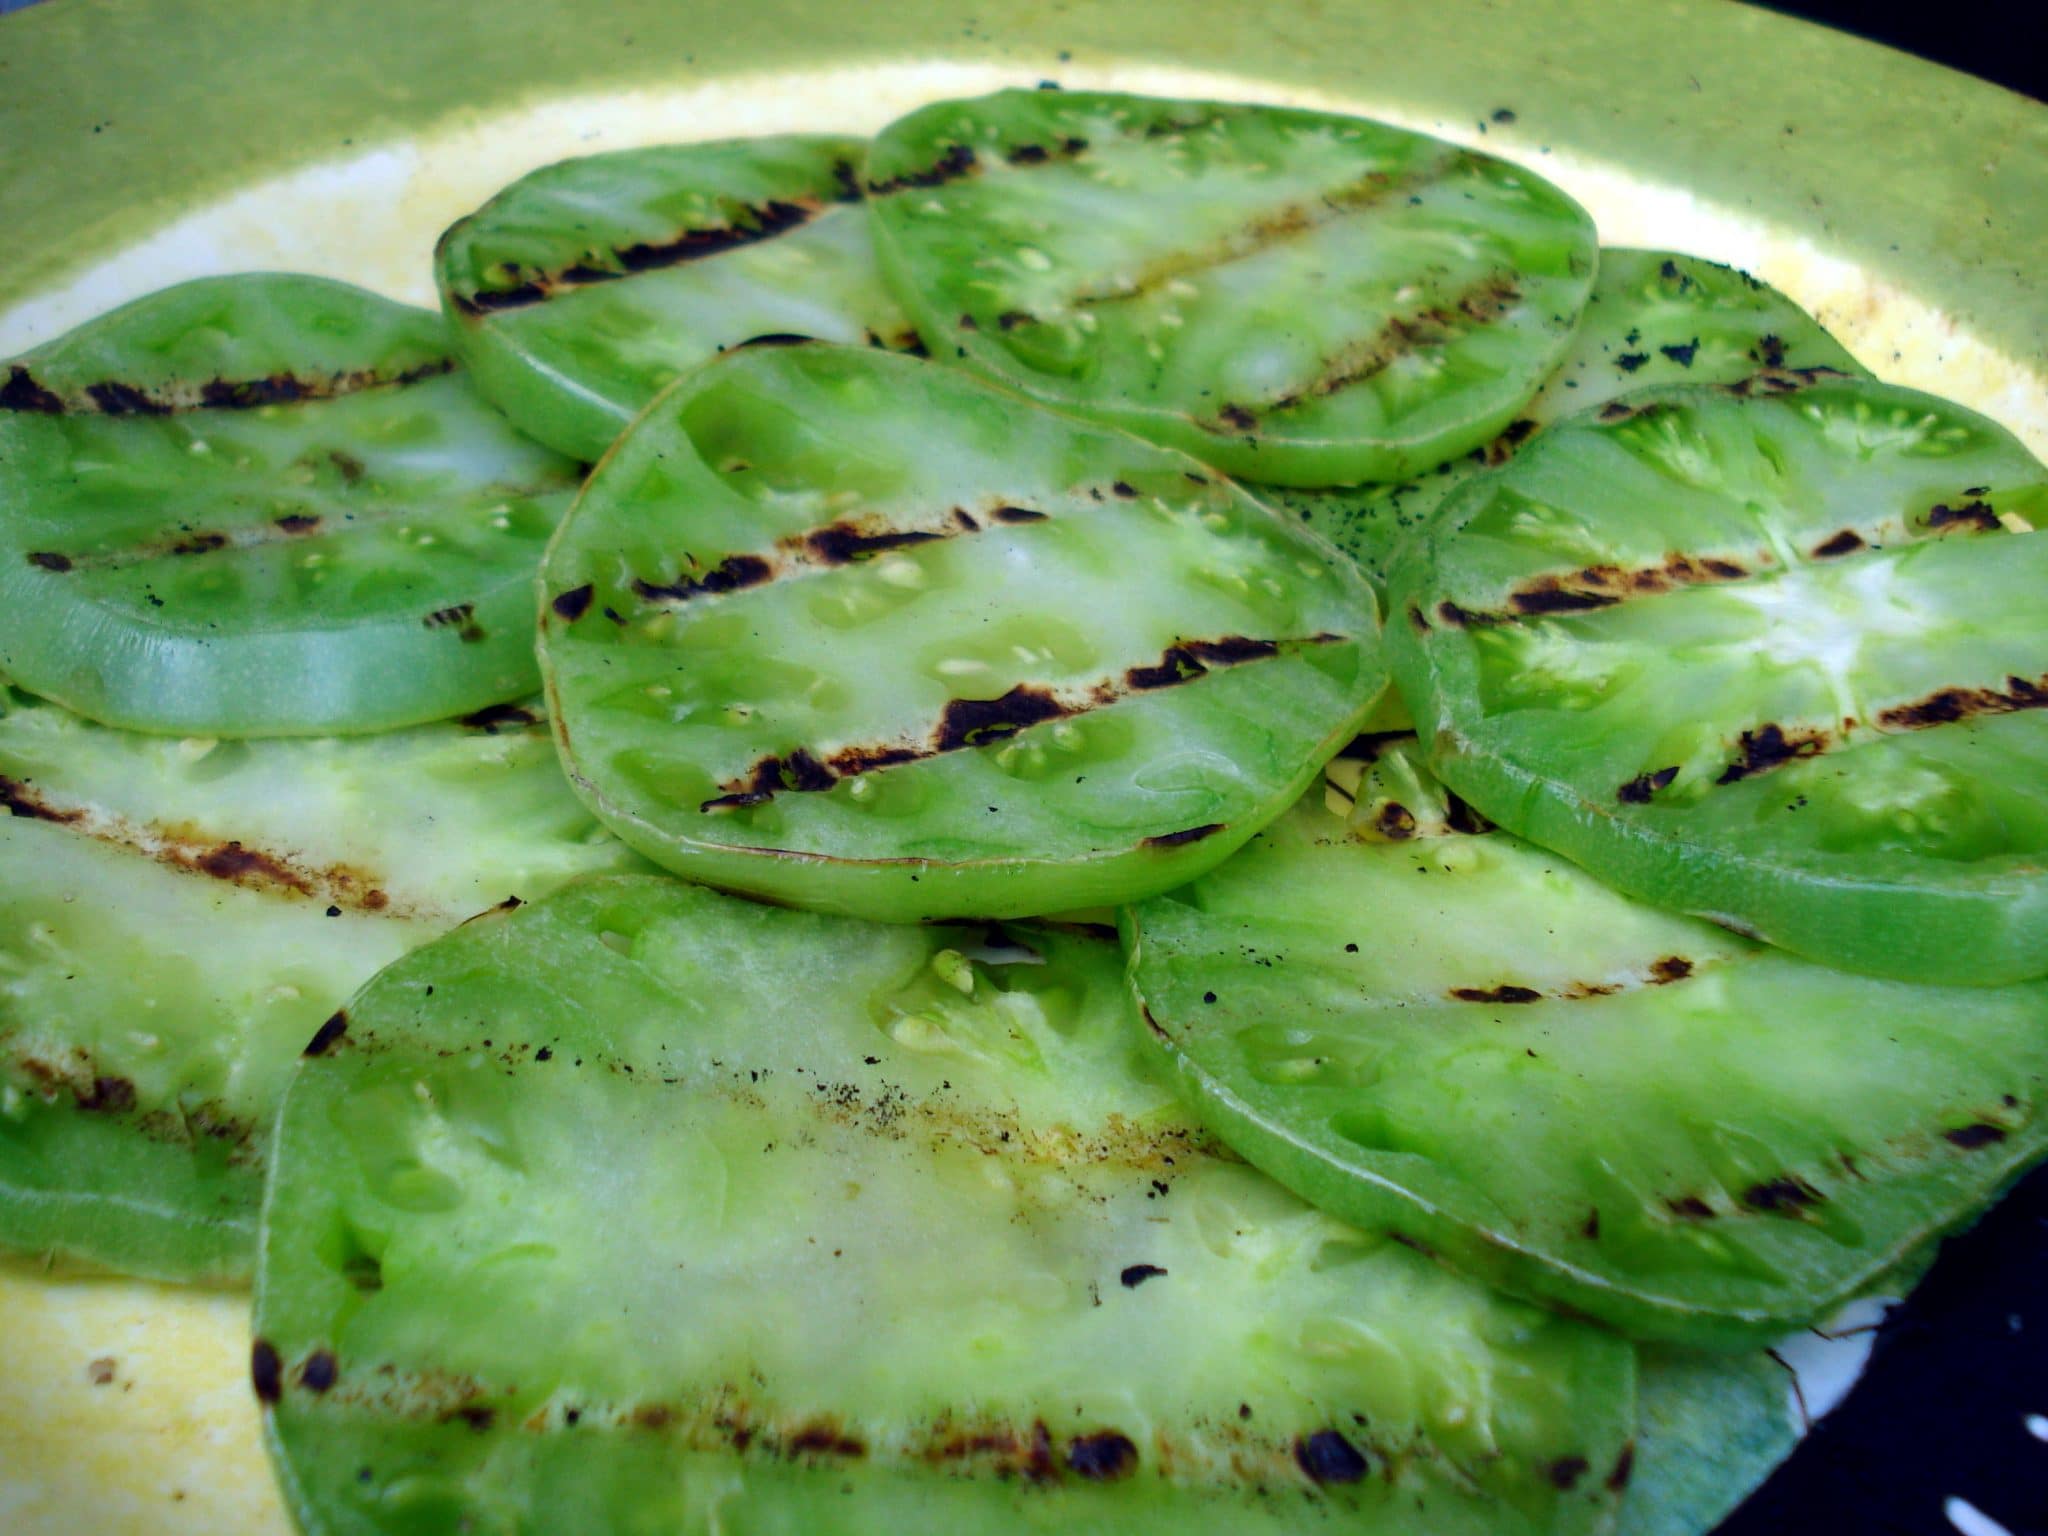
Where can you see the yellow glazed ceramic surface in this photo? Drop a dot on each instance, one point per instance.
(153, 140)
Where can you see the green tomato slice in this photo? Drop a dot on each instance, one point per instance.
(264, 505)
(650, 1209)
(1655, 317)
(581, 291)
(1710, 1428)
(1778, 659)
(860, 633)
(1293, 296)
(177, 920)
(1456, 1036)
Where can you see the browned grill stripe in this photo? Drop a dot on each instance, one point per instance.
(1593, 587)
(750, 225)
(1479, 305)
(23, 392)
(979, 722)
(1947, 705)
(1659, 973)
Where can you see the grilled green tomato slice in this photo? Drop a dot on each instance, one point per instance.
(177, 920)
(580, 291)
(1655, 317)
(647, 1208)
(1295, 297)
(1456, 1036)
(265, 506)
(860, 633)
(1777, 659)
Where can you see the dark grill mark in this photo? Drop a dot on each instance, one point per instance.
(750, 226)
(1973, 514)
(1102, 1457)
(1395, 822)
(1566, 1471)
(1948, 705)
(297, 522)
(232, 862)
(773, 339)
(107, 1095)
(1327, 1457)
(1690, 1207)
(319, 1372)
(1135, 1275)
(22, 393)
(1639, 790)
(1502, 994)
(1682, 353)
(729, 575)
(574, 603)
(958, 161)
(1183, 837)
(327, 1034)
(1595, 586)
(499, 717)
(117, 399)
(1549, 600)
(1768, 747)
(266, 1372)
(457, 614)
(1624, 1468)
(17, 799)
(1014, 515)
(1847, 542)
(49, 560)
(198, 544)
(824, 1438)
(1786, 1195)
(841, 543)
(1477, 306)
(1669, 969)
(968, 723)
(1973, 1137)
(1777, 380)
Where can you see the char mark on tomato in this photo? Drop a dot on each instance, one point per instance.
(1484, 302)
(1785, 1195)
(1327, 1457)
(1776, 381)
(1590, 588)
(1974, 1137)
(112, 397)
(750, 226)
(966, 723)
(1641, 789)
(959, 160)
(1507, 993)
(1771, 746)
(1847, 542)
(19, 799)
(1974, 514)
(1183, 837)
(499, 717)
(1945, 706)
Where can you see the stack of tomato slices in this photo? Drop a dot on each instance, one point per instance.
(1117, 813)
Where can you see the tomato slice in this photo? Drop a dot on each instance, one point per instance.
(1436, 1029)
(580, 291)
(1296, 297)
(861, 633)
(265, 505)
(649, 1208)
(1772, 658)
(1655, 317)
(179, 918)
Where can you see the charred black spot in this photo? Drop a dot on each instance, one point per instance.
(1396, 823)
(1768, 747)
(1787, 1194)
(1590, 1227)
(1974, 514)
(266, 1372)
(842, 543)
(1183, 837)
(319, 1371)
(49, 560)
(1019, 515)
(1566, 1471)
(494, 718)
(22, 393)
(1327, 1457)
(1135, 1275)
(1125, 489)
(575, 602)
(849, 761)
(1972, 1137)
(199, 544)
(1629, 362)
(1010, 319)
(1028, 154)
(1669, 969)
(1616, 410)
(1682, 353)
(1462, 618)
(845, 182)
(1847, 542)
(1102, 1457)
(956, 162)
(1177, 664)
(1502, 994)
(1951, 704)
(450, 617)
(17, 799)
(1638, 790)
(824, 1438)
(1231, 650)
(1770, 351)
(1553, 599)
(231, 861)
(965, 520)
(1237, 416)
(297, 522)
(1624, 1468)
(475, 1415)
(976, 722)
(325, 1036)
(107, 1095)
(1690, 1207)
(773, 339)
(117, 399)
(729, 575)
